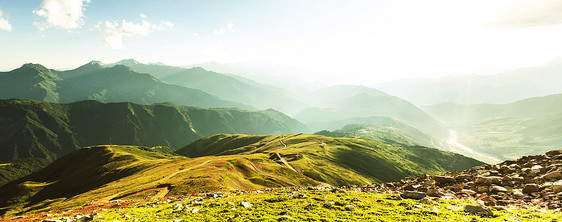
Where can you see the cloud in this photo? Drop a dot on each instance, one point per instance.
(143, 16)
(222, 30)
(115, 31)
(4, 24)
(62, 14)
(530, 14)
(230, 27)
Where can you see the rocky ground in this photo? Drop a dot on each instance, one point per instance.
(530, 181)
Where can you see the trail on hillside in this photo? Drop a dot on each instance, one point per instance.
(162, 191)
(271, 175)
(283, 159)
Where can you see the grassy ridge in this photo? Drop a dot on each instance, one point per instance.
(103, 173)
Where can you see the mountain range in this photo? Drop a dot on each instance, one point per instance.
(477, 89)
(44, 131)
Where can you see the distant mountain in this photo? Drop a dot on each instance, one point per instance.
(526, 108)
(392, 132)
(93, 81)
(347, 104)
(501, 88)
(225, 86)
(228, 162)
(30, 81)
(507, 131)
(328, 95)
(32, 129)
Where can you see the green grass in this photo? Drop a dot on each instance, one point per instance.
(301, 205)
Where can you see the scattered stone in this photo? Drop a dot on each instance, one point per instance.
(530, 188)
(416, 195)
(444, 179)
(496, 189)
(245, 204)
(194, 210)
(425, 200)
(479, 210)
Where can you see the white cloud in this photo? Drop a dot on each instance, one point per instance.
(4, 24)
(230, 27)
(62, 14)
(115, 31)
(531, 13)
(143, 16)
(218, 31)
(222, 30)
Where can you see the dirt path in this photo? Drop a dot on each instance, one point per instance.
(162, 191)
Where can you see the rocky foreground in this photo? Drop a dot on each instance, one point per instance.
(530, 181)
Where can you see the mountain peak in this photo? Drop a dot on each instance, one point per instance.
(128, 62)
(33, 66)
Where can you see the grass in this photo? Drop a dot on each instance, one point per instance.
(104, 173)
(294, 205)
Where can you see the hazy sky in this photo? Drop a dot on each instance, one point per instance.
(353, 41)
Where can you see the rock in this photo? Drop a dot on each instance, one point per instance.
(557, 186)
(178, 220)
(50, 220)
(245, 204)
(530, 188)
(488, 180)
(425, 200)
(463, 177)
(467, 192)
(194, 210)
(178, 207)
(496, 189)
(479, 210)
(435, 193)
(552, 175)
(412, 195)
(444, 179)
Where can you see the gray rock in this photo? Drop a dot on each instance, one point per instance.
(413, 195)
(480, 210)
(245, 204)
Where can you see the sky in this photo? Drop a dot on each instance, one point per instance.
(346, 41)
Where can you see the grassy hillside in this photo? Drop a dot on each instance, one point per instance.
(34, 129)
(231, 162)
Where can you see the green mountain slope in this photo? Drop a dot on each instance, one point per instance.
(369, 105)
(34, 129)
(93, 81)
(227, 87)
(386, 134)
(231, 162)
(32, 81)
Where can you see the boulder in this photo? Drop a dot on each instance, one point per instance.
(479, 210)
(444, 179)
(413, 195)
(552, 175)
(245, 204)
(530, 188)
(496, 189)
(557, 186)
